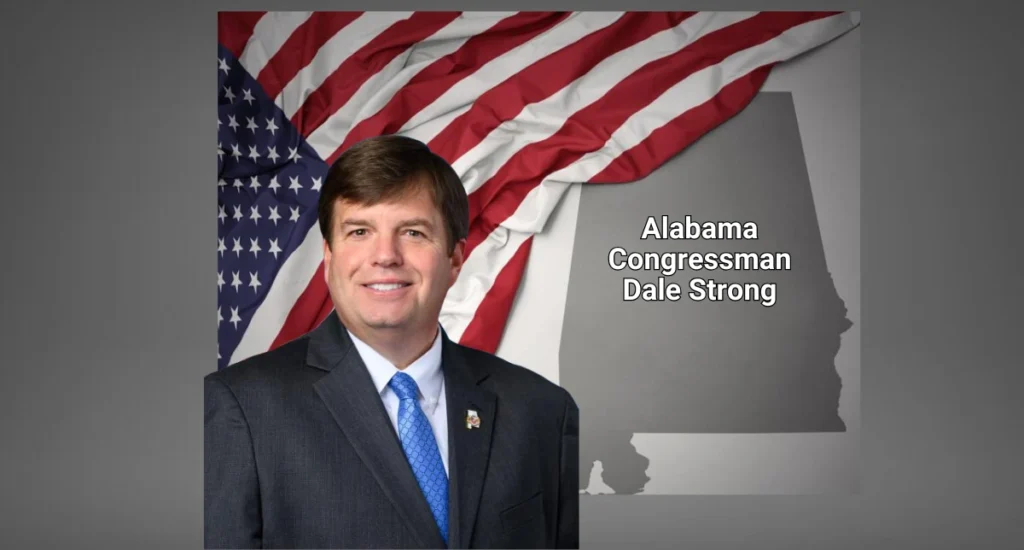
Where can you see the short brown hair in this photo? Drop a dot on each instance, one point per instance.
(385, 168)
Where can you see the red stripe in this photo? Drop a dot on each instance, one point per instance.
(589, 128)
(304, 315)
(668, 140)
(363, 64)
(437, 78)
(234, 28)
(485, 330)
(300, 48)
(545, 77)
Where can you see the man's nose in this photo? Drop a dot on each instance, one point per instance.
(386, 251)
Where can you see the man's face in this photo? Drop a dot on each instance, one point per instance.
(388, 267)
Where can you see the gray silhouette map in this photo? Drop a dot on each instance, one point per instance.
(703, 366)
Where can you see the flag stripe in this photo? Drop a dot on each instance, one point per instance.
(484, 332)
(476, 279)
(328, 58)
(270, 33)
(337, 89)
(493, 116)
(369, 100)
(234, 29)
(427, 123)
(427, 86)
(300, 48)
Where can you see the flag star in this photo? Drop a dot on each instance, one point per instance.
(219, 123)
(235, 319)
(235, 280)
(295, 186)
(295, 214)
(250, 124)
(238, 185)
(223, 65)
(235, 152)
(274, 216)
(255, 247)
(220, 150)
(274, 249)
(248, 97)
(254, 214)
(293, 154)
(220, 247)
(254, 281)
(272, 154)
(220, 281)
(221, 184)
(271, 126)
(232, 123)
(220, 213)
(238, 213)
(237, 249)
(219, 318)
(317, 182)
(253, 154)
(254, 183)
(274, 186)
(229, 94)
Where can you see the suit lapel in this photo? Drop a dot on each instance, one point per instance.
(349, 394)
(471, 447)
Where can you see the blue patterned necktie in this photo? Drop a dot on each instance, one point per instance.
(421, 449)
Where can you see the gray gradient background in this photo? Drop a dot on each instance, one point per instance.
(108, 150)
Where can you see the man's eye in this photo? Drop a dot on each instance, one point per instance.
(414, 233)
(357, 232)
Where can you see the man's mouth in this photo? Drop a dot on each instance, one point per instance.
(386, 287)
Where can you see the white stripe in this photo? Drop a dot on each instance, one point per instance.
(370, 100)
(434, 118)
(291, 281)
(530, 217)
(540, 120)
(334, 52)
(269, 34)
(477, 278)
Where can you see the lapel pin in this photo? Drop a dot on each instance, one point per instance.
(472, 420)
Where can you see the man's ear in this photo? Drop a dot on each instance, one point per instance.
(327, 260)
(458, 259)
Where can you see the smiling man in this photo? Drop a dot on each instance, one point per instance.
(376, 430)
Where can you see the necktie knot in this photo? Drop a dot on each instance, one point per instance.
(404, 386)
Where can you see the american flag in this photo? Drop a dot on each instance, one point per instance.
(521, 104)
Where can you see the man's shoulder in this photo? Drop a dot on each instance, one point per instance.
(509, 378)
(282, 363)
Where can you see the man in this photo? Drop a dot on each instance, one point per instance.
(376, 430)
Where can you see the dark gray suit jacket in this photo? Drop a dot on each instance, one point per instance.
(300, 453)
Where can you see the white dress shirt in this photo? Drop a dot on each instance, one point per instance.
(426, 371)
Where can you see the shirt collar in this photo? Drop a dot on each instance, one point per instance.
(426, 370)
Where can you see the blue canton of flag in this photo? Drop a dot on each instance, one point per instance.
(268, 184)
